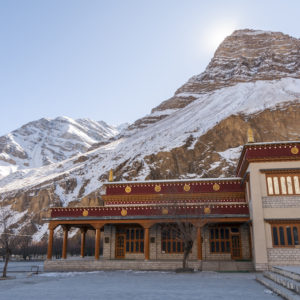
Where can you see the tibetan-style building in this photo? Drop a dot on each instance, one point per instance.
(249, 221)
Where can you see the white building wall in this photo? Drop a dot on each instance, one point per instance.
(263, 208)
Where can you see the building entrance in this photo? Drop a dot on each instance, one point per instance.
(120, 245)
(235, 246)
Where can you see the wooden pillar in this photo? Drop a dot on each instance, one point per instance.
(50, 243)
(199, 244)
(65, 242)
(83, 232)
(97, 243)
(146, 243)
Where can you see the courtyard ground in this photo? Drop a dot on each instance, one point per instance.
(129, 285)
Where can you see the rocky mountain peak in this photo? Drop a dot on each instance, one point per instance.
(249, 55)
(246, 55)
(47, 141)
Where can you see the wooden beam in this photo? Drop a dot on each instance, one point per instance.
(143, 222)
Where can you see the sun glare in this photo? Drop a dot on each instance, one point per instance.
(216, 34)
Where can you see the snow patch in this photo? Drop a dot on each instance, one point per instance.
(232, 154)
(41, 231)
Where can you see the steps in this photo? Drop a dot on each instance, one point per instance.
(283, 282)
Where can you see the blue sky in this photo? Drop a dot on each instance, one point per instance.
(114, 60)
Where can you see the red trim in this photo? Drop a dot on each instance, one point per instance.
(266, 152)
(174, 187)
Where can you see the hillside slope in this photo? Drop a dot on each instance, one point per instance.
(200, 137)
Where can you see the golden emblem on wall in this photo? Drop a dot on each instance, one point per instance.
(216, 187)
(186, 187)
(124, 212)
(295, 150)
(85, 213)
(157, 188)
(207, 210)
(164, 211)
(128, 189)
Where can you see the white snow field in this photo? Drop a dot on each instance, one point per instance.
(131, 285)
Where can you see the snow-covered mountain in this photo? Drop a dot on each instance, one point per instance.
(48, 141)
(245, 56)
(253, 80)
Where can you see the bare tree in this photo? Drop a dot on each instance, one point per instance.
(7, 236)
(184, 227)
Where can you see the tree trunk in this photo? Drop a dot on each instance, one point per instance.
(187, 250)
(5, 263)
(185, 257)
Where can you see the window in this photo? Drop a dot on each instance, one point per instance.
(170, 240)
(285, 235)
(283, 184)
(135, 240)
(219, 239)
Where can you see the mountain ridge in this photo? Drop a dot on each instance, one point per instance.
(199, 137)
(47, 141)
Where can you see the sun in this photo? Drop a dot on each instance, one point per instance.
(216, 34)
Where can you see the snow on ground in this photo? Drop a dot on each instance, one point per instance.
(193, 120)
(164, 112)
(130, 285)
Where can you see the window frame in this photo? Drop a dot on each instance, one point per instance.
(283, 189)
(285, 226)
(219, 240)
(129, 239)
(171, 235)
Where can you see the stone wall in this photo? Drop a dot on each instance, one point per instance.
(153, 245)
(245, 240)
(83, 265)
(281, 201)
(109, 248)
(283, 256)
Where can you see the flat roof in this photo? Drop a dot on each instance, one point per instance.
(174, 180)
(273, 143)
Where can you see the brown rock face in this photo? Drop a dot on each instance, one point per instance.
(206, 159)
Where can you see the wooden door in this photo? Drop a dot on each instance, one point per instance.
(236, 247)
(120, 245)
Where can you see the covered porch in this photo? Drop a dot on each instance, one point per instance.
(218, 244)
